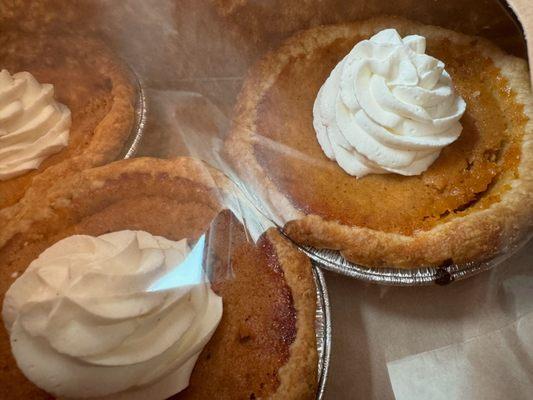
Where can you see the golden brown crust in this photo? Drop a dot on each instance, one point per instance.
(298, 377)
(102, 119)
(76, 186)
(189, 181)
(477, 236)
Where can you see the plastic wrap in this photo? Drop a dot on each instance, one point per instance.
(195, 72)
(140, 274)
(191, 59)
(272, 297)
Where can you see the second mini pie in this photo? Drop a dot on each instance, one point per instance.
(264, 345)
(471, 203)
(89, 81)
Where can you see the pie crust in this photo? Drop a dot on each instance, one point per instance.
(479, 205)
(95, 85)
(265, 344)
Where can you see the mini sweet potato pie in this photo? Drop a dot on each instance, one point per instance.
(397, 143)
(66, 103)
(128, 281)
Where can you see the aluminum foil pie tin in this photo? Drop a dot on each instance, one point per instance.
(332, 260)
(132, 145)
(322, 330)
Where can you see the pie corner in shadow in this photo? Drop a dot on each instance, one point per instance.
(92, 82)
(264, 346)
(473, 203)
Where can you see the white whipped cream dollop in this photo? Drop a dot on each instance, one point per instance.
(387, 107)
(120, 316)
(33, 125)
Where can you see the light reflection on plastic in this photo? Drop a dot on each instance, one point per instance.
(188, 273)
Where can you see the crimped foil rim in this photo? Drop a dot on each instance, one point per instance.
(322, 330)
(137, 131)
(332, 260)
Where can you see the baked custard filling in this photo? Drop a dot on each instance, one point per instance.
(470, 174)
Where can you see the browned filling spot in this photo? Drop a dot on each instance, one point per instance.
(470, 174)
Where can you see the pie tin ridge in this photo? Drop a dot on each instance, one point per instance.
(322, 329)
(332, 260)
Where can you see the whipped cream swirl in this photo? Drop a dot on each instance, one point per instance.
(387, 107)
(33, 125)
(120, 316)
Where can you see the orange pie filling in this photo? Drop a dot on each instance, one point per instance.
(470, 174)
